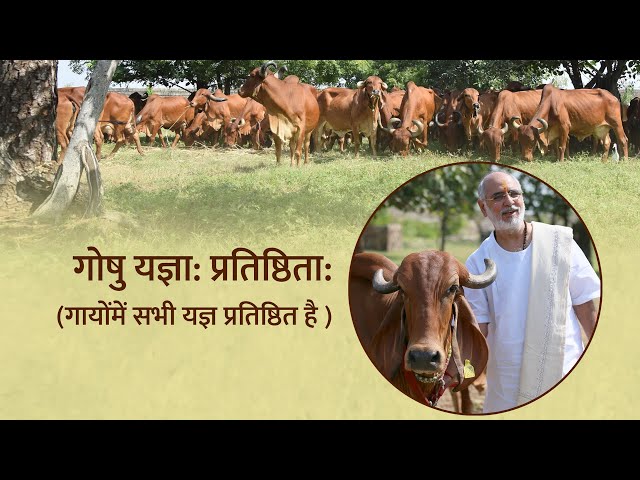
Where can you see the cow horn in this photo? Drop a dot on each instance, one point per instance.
(438, 121)
(545, 125)
(384, 86)
(144, 95)
(241, 122)
(418, 132)
(360, 84)
(505, 129)
(265, 66)
(387, 129)
(514, 123)
(281, 70)
(216, 99)
(484, 279)
(395, 120)
(380, 285)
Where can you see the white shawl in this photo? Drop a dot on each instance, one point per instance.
(543, 354)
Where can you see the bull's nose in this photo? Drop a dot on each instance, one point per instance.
(376, 92)
(423, 360)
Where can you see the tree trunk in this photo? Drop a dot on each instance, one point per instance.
(28, 101)
(443, 229)
(79, 153)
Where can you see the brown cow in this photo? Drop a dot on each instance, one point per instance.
(345, 109)
(388, 110)
(216, 109)
(449, 121)
(577, 112)
(292, 108)
(475, 109)
(247, 123)
(417, 327)
(417, 109)
(118, 116)
(173, 113)
(509, 105)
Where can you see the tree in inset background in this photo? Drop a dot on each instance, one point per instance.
(446, 192)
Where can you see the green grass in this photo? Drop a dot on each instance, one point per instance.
(242, 195)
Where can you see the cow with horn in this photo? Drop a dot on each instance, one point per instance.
(292, 108)
(415, 323)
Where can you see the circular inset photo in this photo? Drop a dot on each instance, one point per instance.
(475, 288)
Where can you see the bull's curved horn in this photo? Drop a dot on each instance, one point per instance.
(211, 96)
(144, 95)
(241, 122)
(514, 123)
(418, 132)
(360, 84)
(395, 120)
(505, 129)
(386, 129)
(384, 86)
(438, 121)
(281, 70)
(484, 279)
(265, 66)
(380, 285)
(545, 125)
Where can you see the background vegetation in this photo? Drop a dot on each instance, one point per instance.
(611, 75)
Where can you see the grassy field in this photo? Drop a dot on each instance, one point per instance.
(207, 202)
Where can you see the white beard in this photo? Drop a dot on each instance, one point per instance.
(509, 225)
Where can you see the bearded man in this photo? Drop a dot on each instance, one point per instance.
(531, 315)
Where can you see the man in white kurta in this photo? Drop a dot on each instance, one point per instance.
(536, 320)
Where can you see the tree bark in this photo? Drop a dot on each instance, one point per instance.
(79, 154)
(28, 101)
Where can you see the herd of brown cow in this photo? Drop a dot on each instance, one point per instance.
(294, 112)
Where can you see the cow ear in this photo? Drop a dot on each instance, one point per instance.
(473, 345)
(389, 342)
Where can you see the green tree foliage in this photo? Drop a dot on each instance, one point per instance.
(444, 74)
(447, 192)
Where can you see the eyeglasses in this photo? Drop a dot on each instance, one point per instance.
(500, 196)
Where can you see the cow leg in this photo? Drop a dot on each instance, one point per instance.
(621, 140)
(466, 402)
(606, 143)
(455, 400)
(175, 140)
(298, 140)
(99, 139)
(372, 141)
(563, 145)
(318, 134)
(356, 139)
(307, 142)
(278, 141)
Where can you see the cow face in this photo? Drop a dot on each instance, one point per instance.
(432, 300)
(252, 84)
(232, 132)
(492, 139)
(373, 87)
(401, 137)
(528, 136)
